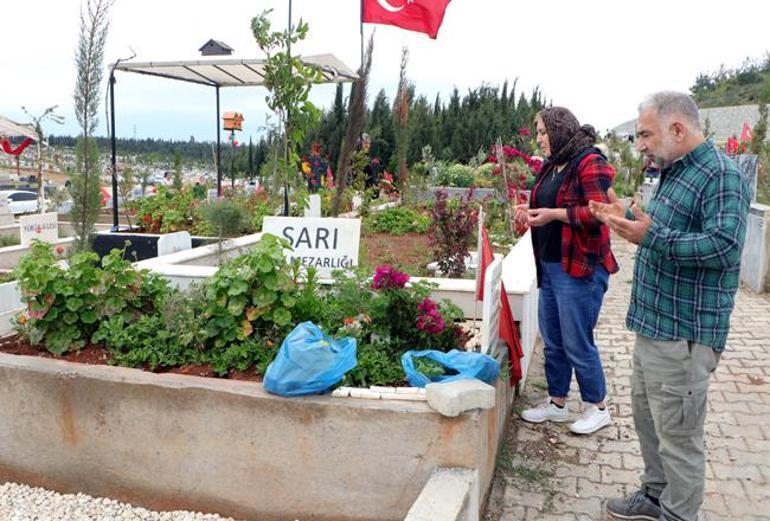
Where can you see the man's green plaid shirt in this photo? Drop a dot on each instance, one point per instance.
(688, 264)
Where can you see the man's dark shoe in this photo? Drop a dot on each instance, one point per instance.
(635, 506)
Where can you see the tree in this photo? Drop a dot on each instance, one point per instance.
(289, 81)
(48, 114)
(356, 119)
(89, 58)
(177, 170)
(401, 107)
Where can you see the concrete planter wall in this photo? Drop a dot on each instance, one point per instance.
(171, 441)
(457, 193)
(66, 229)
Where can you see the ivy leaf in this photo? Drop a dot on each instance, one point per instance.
(246, 328)
(282, 316)
(238, 287)
(264, 297)
(74, 303)
(236, 305)
(88, 317)
(265, 265)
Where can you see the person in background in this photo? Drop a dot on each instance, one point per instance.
(686, 275)
(317, 168)
(651, 169)
(573, 260)
(371, 166)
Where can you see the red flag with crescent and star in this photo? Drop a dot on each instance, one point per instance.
(422, 16)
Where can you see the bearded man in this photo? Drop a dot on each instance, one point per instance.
(690, 240)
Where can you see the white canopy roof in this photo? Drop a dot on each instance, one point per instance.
(10, 128)
(229, 72)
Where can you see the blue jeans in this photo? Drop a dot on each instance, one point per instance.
(567, 314)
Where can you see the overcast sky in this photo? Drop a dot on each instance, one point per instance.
(597, 57)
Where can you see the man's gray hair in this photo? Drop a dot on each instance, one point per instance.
(671, 103)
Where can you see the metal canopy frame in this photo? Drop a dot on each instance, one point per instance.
(222, 72)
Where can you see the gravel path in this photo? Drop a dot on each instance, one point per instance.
(23, 503)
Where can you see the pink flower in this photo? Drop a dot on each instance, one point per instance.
(427, 305)
(387, 277)
(524, 131)
(429, 319)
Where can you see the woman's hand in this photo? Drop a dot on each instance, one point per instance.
(541, 216)
(520, 216)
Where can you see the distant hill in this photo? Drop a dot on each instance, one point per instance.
(745, 85)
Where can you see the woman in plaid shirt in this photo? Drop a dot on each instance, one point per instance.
(574, 260)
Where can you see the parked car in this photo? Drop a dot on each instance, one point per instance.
(20, 201)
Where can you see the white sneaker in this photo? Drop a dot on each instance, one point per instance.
(592, 420)
(546, 411)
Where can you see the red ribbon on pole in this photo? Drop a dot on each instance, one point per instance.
(8, 148)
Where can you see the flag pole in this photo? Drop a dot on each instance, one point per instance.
(362, 35)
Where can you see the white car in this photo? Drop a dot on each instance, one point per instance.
(19, 201)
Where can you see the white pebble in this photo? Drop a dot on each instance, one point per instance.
(24, 503)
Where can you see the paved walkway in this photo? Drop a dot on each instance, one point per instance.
(546, 473)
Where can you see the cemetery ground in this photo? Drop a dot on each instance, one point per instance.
(545, 473)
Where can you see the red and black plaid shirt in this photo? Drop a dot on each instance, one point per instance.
(585, 242)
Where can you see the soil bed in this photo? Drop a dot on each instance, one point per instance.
(410, 252)
(97, 355)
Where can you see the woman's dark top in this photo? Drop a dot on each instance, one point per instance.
(547, 238)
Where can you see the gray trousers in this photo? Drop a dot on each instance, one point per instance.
(669, 386)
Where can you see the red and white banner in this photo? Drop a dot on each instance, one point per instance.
(8, 148)
(746, 134)
(422, 16)
(509, 331)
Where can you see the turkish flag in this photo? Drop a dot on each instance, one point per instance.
(746, 133)
(422, 16)
(509, 331)
(487, 257)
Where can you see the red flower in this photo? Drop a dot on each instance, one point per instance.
(146, 218)
(524, 131)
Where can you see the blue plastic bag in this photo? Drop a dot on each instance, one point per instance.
(462, 364)
(309, 362)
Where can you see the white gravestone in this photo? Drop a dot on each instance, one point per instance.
(490, 307)
(314, 206)
(40, 226)
(327, 244)
(173, 242)
(6, 217)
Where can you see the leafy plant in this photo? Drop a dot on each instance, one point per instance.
(452, 231)
(398, 221)
(456, 175)
(288, 80)
(167, 211)
(65, 306)
(251, 295)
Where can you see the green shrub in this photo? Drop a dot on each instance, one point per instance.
(66, 307)
(398, 221)
(456, 175)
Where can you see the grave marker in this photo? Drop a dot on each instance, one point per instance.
(327, 244)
